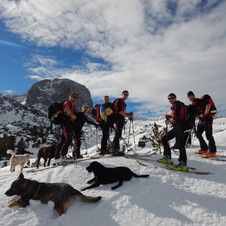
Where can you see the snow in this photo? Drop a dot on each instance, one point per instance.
(165, 198)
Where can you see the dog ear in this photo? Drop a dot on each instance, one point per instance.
(21, 176)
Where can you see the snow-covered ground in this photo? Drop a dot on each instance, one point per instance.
(165, 198)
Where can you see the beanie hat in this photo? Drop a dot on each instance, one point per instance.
(190, 93)
(172, 95)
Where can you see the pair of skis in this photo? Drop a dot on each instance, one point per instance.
(65, 163)
(191, 170)
(140, 158)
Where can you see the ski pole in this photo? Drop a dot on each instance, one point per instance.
(133, 136)
(188, 136)
(83, 138)
(192, 136)
(96, 139)
(129, 129)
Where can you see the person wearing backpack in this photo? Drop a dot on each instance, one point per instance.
(68, 112)
(206, 111)
(190, 115)
(178, 122)
(120, 114)
(78, 123)
(106, 123)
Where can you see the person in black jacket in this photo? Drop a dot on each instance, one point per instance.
(81, 119)
(206, 111)
(120, 114)
(178, 122)
(106, 123)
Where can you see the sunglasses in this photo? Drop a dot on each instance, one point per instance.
(171, 98)
(126, 94)
(76, 97)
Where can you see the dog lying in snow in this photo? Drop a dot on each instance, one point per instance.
(61, 194)
(104, 175)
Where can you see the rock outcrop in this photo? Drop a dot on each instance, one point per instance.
(43, 93)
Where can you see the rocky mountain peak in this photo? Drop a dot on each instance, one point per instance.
(47, 91)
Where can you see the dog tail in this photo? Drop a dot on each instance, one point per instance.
(143, 175)
(11, 152)
(88, 199)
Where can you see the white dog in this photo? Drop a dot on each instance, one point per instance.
(17, 160)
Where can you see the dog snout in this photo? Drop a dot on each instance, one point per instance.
(89, 169)
(9, 193)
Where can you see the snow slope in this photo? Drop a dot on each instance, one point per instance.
(165, 198)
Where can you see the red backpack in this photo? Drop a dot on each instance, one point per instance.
(96, 113)
(208, 100)
(119, 105)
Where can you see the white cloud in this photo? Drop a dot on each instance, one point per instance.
(9, 91)
(153, 47)
(3, 42)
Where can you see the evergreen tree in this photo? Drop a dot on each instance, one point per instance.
(34, 131)
(6, 142)
(156, 135)
(21, 146)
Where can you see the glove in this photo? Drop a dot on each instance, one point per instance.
(130, 115)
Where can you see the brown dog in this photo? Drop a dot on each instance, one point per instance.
(46, 153)
(104, 175)
(61, 194)
(17, 160)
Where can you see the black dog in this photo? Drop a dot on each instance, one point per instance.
(104, 175)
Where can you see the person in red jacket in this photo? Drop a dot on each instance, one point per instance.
(68, 111)
(177, 120)
(206, 111)
(120, 114)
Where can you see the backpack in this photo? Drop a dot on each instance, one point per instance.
(54, 112)
(96, 113)
(115, 105)
(190, 115)
(103, 114)
(107, 113)
(206, 100)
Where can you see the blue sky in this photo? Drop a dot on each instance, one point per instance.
(149, 47)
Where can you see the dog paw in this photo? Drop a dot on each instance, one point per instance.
(17, 202)
(113, 188)
(12, 203)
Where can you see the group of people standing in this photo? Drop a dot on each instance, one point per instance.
(117, 123)
(72, 123)
(205, 110)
